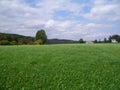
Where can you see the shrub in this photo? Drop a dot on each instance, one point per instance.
(13, 43)
(38, 42)
(4, 42)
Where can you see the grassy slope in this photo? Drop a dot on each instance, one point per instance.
(60, 67)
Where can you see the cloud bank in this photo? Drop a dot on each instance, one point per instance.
(68, 19)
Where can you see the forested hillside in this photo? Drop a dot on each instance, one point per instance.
(15, 39)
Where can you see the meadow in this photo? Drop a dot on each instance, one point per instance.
(60, 67)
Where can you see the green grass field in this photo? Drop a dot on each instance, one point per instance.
(60, 67)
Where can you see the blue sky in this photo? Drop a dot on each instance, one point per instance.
(63, 19)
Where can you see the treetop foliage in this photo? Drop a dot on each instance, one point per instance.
(15, 39)
(41, 35)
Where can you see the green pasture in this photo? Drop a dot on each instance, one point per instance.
(60, 67)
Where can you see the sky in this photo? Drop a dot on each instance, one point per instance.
(62, 19)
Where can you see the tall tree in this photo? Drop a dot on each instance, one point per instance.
(95, 41)
(116, 37)
(41, 35)
(109, 39)
(81, 41)
(105, 40)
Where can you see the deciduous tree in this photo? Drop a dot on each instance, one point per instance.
(41, 35)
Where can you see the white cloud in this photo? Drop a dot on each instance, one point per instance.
(17, 16)
(49, 23)
(76, 29)
(94, 25)
(55, 5)
(17, 13)
(104, 10)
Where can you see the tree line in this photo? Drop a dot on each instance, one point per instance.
(41, 38)
(15, 39)
(106, 40)
(109, 39)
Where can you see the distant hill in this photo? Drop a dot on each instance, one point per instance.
(19, 39)
(13, 36)
(60, 41)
